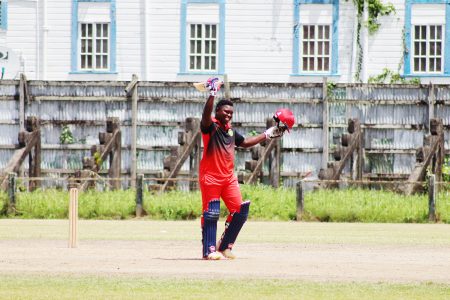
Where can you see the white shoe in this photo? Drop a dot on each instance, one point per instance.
(228, 254)
(214, 256)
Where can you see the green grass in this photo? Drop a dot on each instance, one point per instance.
(350, 205)
(120, 287)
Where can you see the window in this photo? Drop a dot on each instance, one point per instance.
(427, 44)
(427, 30)
(3, 14)
(202, 49)
(315, 48)
(316, 45)
(94, 51)
(93, 36)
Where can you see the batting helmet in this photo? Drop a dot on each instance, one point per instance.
(285, 117)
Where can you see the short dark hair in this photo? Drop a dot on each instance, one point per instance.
(223, 102)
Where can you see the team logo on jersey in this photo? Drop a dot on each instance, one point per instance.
(230, 132)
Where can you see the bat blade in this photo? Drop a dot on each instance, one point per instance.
(200, 86)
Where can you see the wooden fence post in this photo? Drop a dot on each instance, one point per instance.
(430, 105)
(22, 84)
(274, 159)
(132, 87)
(432, 198)
(12, 193)
(139, 194)
(300, 199)
(325, 133)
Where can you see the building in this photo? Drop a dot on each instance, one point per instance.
(250, 41)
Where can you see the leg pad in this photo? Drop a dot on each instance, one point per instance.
(233, 228)
(209, 227)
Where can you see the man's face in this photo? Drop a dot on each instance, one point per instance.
(224, 114)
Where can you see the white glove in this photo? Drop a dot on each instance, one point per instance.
(274, 132)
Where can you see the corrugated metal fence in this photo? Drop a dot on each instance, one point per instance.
(394, 118)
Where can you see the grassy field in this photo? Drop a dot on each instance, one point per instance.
(121, 286)
(76, 287)
(349, 205)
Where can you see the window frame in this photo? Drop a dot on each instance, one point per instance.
(297, 39)
(408, 54)
(184, 39)
(4, 14)
(76, 40)
(203, 54)
(315, 55)
(95, 38)
(427, 55)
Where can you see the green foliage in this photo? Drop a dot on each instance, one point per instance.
(376, 9)
(331, 87)
(357, 205)
(53, 204)
(350, 205)
(66, 136)
(446, 169)
(269, 203)
(388, 76)
(174, 205)
(253, 133)
(98, 158)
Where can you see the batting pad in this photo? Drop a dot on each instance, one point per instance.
(209, 229)
(233, 229)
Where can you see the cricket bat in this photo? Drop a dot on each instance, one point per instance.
(200, 86)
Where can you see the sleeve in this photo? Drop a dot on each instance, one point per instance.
(238, 138)
(206, 130)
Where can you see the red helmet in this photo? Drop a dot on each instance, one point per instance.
(285, 117)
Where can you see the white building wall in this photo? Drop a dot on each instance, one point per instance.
(386, 45)
(258, 45)
(59, 34)
(346, 27)
(259, 40)
(21, 35)
(164, 40)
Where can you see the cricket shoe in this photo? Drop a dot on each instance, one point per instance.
(228, 254)
(214, 256)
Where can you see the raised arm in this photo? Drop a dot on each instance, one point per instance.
(207, 111)
(213, 84)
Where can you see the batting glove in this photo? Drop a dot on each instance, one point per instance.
(213, 84)
(274, 132)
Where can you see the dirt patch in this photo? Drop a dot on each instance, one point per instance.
(315, 261)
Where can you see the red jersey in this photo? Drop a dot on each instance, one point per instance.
(218, 150)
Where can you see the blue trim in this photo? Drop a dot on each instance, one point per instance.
(315, 75)
(4, 13)
(407, 57)
(447, 39)
(422, 75)
(93, 72)
(112, 39)
(200, 73)
(334, 42)
(183, 40)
